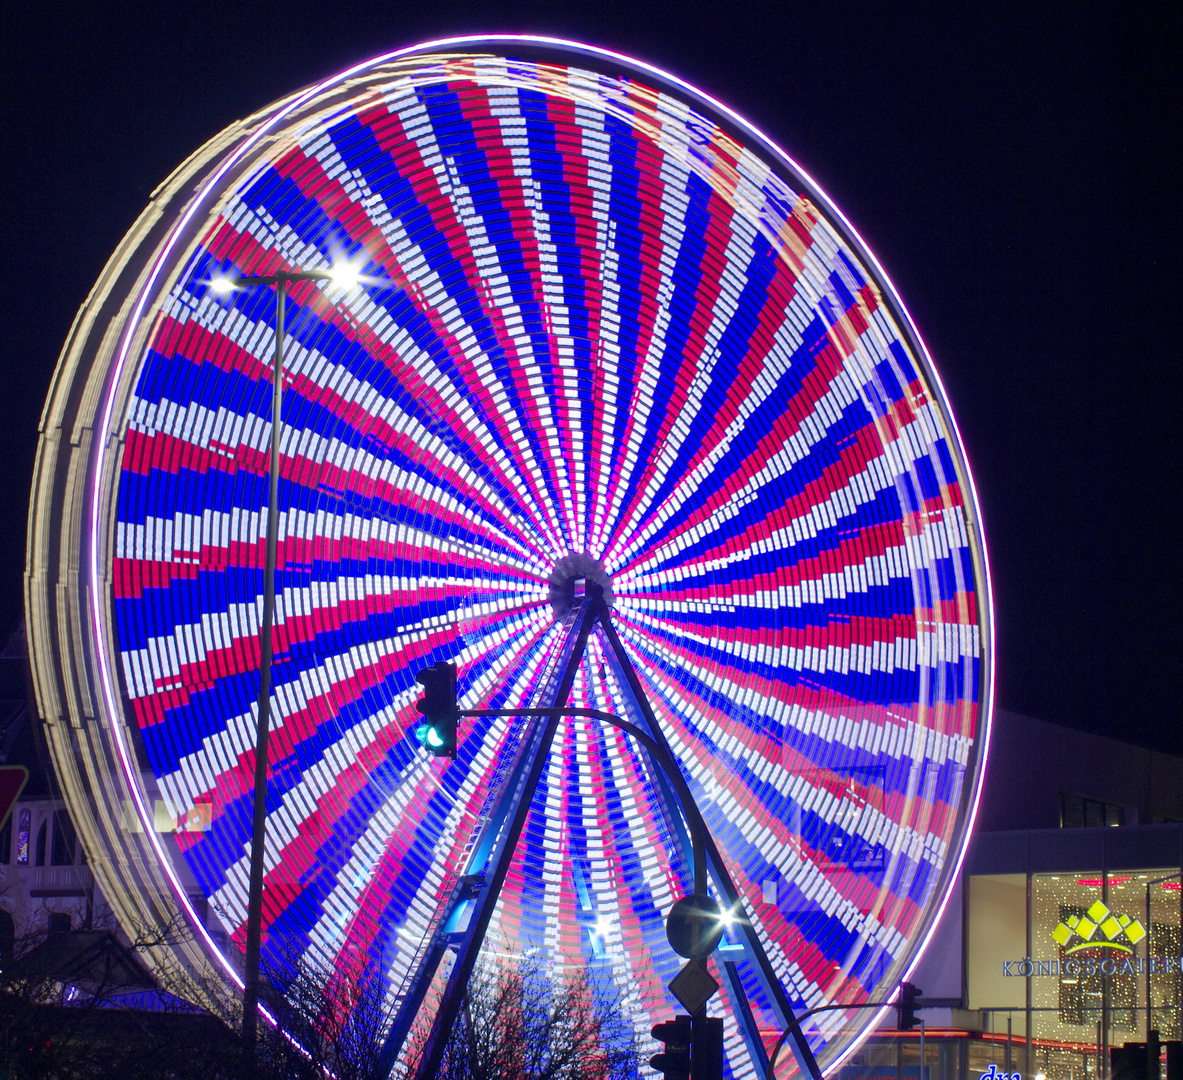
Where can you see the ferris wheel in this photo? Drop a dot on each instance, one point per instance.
(605, 332)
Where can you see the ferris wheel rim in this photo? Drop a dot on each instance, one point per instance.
(99, 603)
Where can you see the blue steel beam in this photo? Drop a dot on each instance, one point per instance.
(749, 940)
(468, 885)
(515, 807)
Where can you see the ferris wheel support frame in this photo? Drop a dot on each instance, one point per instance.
(749, 945)
(499, 839)
(482, 886)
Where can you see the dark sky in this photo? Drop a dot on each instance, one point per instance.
(1014, 167)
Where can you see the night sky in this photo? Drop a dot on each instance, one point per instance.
(1014, 167)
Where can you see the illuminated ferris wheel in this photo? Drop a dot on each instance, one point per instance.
(605, 331)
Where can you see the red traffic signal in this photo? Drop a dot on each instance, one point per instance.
(674, 1061)
(438, 706)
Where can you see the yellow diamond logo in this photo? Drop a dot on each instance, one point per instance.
(1085, 929)
(1135, 932)
(1062, 934)
(1073, 920)
(1098, 912)
(1111, 928)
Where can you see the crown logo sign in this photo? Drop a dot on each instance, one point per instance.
(1099, 928)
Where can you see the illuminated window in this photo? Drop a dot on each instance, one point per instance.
(22, 838)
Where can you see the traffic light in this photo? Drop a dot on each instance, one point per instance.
(1142, 1061)
(438, 706)
(1128, 1062)
(706, 1056)
(906, 1004)
(674, 1061)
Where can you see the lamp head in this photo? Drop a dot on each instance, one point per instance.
(345, 275)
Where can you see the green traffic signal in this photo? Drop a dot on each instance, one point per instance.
(438, 706)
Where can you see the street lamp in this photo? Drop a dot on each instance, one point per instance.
(344, 275)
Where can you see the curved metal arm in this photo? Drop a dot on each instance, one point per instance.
(769, 1073)
(694, 820)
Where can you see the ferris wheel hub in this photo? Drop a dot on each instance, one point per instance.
(565, 580)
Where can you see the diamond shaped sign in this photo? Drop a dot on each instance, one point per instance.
(1098, 912)
(693, 986)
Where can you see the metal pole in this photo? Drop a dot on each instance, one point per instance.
(254, 907)
(1149, 940)
(921, 1050)
(1028, 983)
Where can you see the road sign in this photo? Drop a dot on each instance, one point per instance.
(12, 782)
(694, 926)
(693, 986)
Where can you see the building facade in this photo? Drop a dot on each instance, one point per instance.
(1063, 937)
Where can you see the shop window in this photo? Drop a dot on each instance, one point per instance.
(1078, 812)
(1165, 989)
(1089, 942)
(1082, 994)
(59, 922)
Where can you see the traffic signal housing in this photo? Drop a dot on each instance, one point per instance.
(906, 1004)
(706, 1052)
(674, 1061)
(1128, 1062)
(1142, 1061)
(438, 706)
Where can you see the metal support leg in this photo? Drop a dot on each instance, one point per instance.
(516, 801)
(723, 882)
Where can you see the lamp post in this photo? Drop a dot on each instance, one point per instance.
(344, 276)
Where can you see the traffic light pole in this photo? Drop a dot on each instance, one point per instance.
(429, 1064)
(694, 821)
(835, 1007)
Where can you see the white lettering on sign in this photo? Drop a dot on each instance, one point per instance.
(1091, 965)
